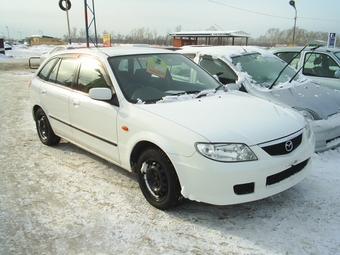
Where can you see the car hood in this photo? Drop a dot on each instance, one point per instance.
(230, 117)
(318, 98)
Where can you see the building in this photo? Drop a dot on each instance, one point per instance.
(42, 39)
(209, 38)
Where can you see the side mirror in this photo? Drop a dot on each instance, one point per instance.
(337, 74)
(216, 77)
(100, 94)
(233, 86)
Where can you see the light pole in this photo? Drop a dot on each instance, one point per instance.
(9, 39)
(20, 35)
(42, 34)
(292, 3)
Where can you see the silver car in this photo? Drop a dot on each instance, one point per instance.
(320, 64)
(264, 75)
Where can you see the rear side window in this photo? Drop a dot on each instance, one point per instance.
(66, 71)
(60, 71)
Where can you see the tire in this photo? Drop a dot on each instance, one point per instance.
(44, 130)
(62, 6)
(158, 180)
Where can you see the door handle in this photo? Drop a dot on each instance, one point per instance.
(75, 101)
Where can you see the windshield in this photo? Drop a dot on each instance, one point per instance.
(151, 77)
(337, 54)
(264, 69)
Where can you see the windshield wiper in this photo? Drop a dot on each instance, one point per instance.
(284, 68)
(304, 62)
(186, 92)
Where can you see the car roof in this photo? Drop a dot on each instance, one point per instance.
(116, 51)
(298, 48)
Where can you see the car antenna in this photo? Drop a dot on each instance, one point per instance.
(284, 68)
(312, 49)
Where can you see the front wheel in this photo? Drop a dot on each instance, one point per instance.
(45, 132)
(158, 179)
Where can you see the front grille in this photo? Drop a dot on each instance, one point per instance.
(275, 178)
(284, 145)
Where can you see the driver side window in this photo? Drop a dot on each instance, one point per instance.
(92, 75)
(320, 65)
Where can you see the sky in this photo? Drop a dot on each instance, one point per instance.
(20, 19)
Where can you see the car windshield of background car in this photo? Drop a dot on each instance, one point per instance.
(264, 69)
(337, 54)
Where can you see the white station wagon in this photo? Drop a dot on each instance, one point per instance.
(156, 113)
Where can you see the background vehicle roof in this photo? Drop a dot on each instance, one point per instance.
(298, 48)
(221, 50)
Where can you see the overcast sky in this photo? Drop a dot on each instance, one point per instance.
(22, 18)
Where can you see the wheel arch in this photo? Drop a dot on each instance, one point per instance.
(137, 150)
(34, 111)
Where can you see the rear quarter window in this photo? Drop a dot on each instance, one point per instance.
(46, 70)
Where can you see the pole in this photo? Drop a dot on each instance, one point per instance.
(292, 3)
(68, 23)
(86, 26)
(294, 26)
(9, 39)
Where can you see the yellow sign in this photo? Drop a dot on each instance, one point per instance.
(107, 40)
(156, 66)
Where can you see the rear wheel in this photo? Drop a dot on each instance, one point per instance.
(158, 179)
(45, 132)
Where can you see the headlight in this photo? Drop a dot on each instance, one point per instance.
(308, 129)
(232, 152)
(308, 114)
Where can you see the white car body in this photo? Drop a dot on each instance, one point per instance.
(175, 124)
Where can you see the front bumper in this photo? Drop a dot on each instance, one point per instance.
(218, 183)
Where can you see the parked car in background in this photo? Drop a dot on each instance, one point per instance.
(264, 75)
(60, 48)
(320, 64)
(156, 113)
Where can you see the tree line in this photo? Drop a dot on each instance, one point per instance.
(273, 37)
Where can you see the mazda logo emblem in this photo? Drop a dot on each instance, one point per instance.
(289, 146)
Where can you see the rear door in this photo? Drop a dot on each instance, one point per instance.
(57, 78)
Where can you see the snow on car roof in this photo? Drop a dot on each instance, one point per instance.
(222, 50)
(298, 48)
(118, 50)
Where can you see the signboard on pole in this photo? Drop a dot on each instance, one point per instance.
(331, 40)
(107, 40)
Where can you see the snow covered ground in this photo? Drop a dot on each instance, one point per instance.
(63, 200)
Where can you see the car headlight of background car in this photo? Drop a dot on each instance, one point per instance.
(308, 129)
(308, 114)
(228, 152)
